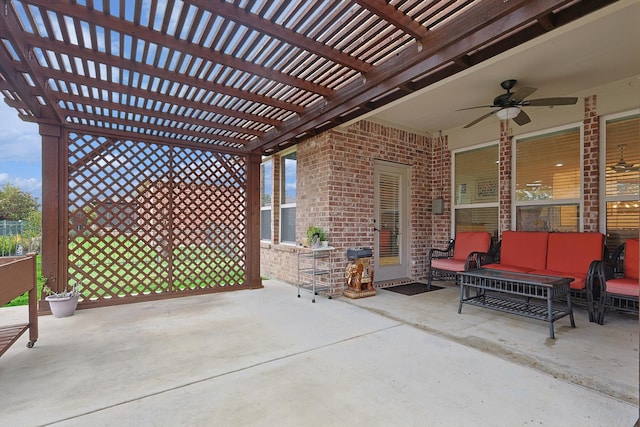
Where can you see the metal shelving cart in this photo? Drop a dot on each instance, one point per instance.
(315, 270)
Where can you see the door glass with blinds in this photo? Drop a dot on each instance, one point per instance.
(389, 187)
(622, 178)
(391, 224)
(548, 181)
(476, 190)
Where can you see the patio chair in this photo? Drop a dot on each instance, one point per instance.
(616, 291)
(460, 255)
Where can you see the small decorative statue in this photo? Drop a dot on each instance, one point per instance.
(359, 277)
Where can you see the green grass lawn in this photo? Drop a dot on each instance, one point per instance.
(101, 257)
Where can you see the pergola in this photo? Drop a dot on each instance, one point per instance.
(155, 114)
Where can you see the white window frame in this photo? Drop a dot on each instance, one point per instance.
(270, 207)
(475, 205)
(602, 196)
(548, 202)
(283, 206)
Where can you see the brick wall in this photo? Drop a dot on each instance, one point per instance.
(335, 190)
(440, 181)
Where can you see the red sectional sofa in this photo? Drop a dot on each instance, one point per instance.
(551, 254)
(522, 251)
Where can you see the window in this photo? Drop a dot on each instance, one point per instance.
(548, 181)
(266, 194)
(476, 190)
(288, 198)
(621, 178)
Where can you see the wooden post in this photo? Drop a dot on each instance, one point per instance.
(52, 234)
(252, 238)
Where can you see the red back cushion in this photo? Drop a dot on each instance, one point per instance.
(471, 241)
(526, 249)
(573, 252)
(631, 259)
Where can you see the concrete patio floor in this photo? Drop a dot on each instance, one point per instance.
(267, 358)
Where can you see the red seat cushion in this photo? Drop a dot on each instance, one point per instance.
(631, 266)
(448, 264)
(471, 241)
(623, 286)
(524, 250)
(574, 252)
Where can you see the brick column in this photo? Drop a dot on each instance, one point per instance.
(505, 155)
(591, 165)
(440, 179)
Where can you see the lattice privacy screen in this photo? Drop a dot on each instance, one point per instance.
(149, 218)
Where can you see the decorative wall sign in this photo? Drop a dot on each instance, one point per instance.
(487, 189)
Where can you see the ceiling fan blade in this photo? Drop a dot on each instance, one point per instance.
(522, 93)
(479, 119)
(623, 167)
(522, 118)
(549, 102)
(473, 108)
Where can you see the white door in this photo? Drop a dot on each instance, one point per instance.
(391, 222)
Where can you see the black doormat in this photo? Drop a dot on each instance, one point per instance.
(414, 288)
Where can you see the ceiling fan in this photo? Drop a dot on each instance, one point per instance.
(509, 105)
(623, 166)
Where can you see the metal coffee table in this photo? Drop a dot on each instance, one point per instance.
(513, 293)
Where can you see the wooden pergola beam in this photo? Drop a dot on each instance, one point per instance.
(150, 70)
(109, 22)
(394, 17)
(485, 22)
(228, 10)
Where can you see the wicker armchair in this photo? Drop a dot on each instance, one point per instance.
(460, 255)
(615, 291)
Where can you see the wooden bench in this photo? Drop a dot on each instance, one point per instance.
(17, 276)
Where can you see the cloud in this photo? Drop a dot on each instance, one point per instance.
(28, 185)
(19, 140)
(21, 158)
(31, 185)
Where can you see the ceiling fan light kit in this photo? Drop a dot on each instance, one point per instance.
(508, 113)
(509, 104)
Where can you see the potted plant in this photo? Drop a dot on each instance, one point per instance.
(62, 304)
(316, 235)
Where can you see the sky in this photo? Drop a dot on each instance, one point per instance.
(20, 153)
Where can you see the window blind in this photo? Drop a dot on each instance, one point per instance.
(389, 199)
(622, 146)
(548, 166)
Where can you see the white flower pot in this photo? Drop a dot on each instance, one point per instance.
(62, 307)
